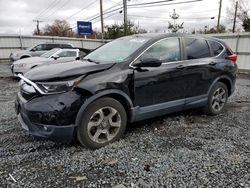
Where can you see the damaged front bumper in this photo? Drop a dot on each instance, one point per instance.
(49, 116)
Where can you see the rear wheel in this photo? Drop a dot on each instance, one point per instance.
(217, 99)
(104, 121)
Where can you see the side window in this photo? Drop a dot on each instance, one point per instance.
(217, 48)
(51, 46)
(196, 48)
(66, 46)
(67, 54)
(167, 50)
(40, 47)
(82, 54)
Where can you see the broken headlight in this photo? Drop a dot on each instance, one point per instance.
(58, 87)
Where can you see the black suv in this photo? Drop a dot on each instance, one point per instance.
(127, 80)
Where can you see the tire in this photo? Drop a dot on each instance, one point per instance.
(102, 122)
(217, 99)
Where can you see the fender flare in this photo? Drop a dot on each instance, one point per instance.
(217, 79)
(97, 96)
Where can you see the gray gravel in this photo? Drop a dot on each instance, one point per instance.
(187, 149)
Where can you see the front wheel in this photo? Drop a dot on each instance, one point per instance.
(104, 121)
(217, 99)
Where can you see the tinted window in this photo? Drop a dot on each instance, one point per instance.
(51, 46)
(66, 46)
(167, 50)
(196, 48)
(40, 47)
(216, 47)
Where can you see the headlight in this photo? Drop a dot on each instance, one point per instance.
(20, 65)
(58, 87)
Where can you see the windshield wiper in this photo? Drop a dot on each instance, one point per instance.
(92, 61)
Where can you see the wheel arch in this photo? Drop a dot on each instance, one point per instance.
(25, 56)
(118, 95)
(225, 80)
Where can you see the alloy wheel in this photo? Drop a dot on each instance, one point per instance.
(104, 125)
(219, 99)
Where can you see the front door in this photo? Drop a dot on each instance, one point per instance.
(161, 86)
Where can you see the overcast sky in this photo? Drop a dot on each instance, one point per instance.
(18, 15)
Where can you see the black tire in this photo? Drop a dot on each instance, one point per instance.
(85, 136)
(209, 109)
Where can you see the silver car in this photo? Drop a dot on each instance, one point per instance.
(37, 50)
(55, 55)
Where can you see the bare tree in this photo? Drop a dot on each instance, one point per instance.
(58, 28)
(243, 13)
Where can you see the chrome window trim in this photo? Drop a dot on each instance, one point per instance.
(208, 46)
(130, 65)
(224, 48)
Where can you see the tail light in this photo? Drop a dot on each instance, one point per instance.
(233, 57)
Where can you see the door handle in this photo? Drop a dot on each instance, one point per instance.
(212, 63)
(180, 67)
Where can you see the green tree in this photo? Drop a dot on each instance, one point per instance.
(117, 30)
(243, 13)
(246, 25)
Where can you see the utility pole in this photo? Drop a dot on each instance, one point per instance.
(37, 26)
(218, 23)
(101, 15)
(125, 16)
(235, 15)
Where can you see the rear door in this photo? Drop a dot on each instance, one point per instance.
(200, 67)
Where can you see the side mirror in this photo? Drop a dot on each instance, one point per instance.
(33, 50)
(55, 57)
(149, 62)
(78, 58)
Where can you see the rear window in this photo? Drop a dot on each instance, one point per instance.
(217, 48)
(196, 48)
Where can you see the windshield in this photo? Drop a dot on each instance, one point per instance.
(117, 50)
(50, 53)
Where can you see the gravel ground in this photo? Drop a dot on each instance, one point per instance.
(186, 149)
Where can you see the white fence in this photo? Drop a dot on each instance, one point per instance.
(9, 43)
(240, 43)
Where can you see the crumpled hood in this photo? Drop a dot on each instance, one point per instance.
(31, 60)
(62, 70)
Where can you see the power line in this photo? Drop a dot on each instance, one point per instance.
(151, 3)
(157, 5)
(130, 6)
(150, 17)
(47, 9)
(84, 8)
(63, 5)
